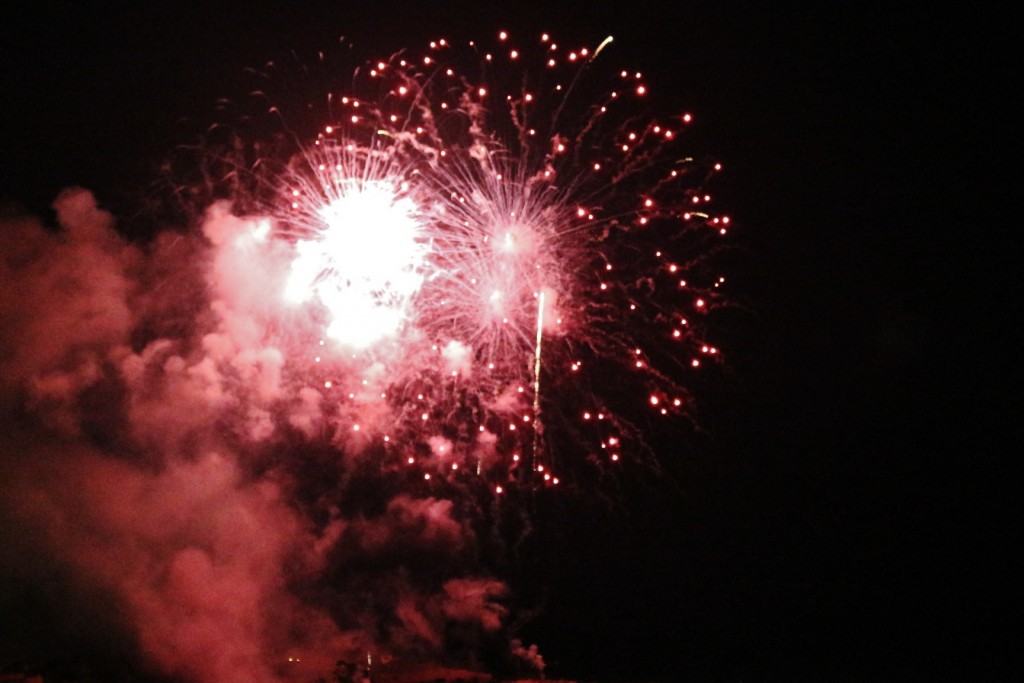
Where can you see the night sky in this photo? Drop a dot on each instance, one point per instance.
(834, 519)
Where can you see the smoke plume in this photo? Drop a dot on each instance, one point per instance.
(176, 479)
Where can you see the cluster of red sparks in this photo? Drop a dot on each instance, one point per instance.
(473, 243)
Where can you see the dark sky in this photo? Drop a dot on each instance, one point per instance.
(838, 521)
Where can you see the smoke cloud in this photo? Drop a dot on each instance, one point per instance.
(175, 468)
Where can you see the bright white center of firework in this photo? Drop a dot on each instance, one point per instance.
(515, 240)
(365, 264)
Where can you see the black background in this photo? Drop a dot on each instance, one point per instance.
(841, 520)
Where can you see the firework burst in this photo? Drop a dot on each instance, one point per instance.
(310, 429)
(480, 239)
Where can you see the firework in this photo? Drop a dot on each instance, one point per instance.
(309, 429)
(480, 240)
